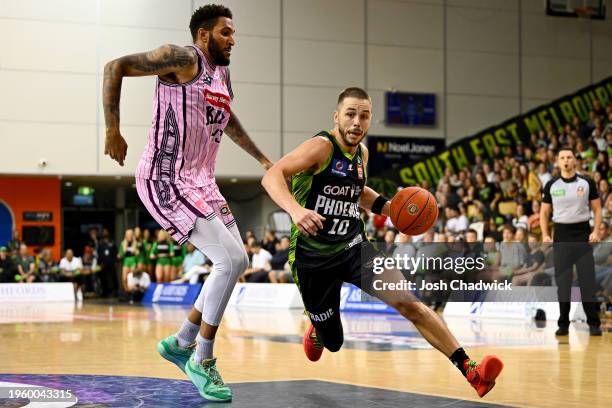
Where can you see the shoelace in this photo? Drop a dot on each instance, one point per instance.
(214, 375)
(471, 367)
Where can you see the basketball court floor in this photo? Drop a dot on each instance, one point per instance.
(105, 355)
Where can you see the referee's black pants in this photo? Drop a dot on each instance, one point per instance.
(572, 247)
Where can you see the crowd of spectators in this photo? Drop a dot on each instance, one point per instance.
(127, 268)
(497, 201)
(92, 273)
(506, 189)
(268, 258)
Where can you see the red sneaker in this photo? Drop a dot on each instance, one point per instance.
(312, 346)
(482, 376)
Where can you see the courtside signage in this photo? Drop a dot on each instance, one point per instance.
(352, 299)
(167, 293)
(36, 292)
(266, 295)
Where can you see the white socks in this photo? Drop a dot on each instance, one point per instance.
(187, 333)
(204, 349)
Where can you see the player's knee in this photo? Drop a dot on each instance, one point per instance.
(333, 345)
(242, 261)
(332, 342)
(245, 261)
(332, 339)
(239, 261)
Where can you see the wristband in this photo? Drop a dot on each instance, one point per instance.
(378, 204)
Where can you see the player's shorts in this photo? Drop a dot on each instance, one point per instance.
(320, 280)
(176, 206)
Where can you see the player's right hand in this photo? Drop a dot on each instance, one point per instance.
(547, 239)
(307, 221)
(115, 146)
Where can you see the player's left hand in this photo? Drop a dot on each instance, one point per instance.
(594, 237)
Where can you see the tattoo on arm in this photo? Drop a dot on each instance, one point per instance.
(111, 94)
(164, 60)
(237, 133)
(167, 58)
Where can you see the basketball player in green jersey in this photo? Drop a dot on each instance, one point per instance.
(328, 242)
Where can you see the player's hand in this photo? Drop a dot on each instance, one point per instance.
(594, 237)
(307, 221)
(547, 239)
(115, 146)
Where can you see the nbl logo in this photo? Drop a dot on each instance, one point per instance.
(412, 209)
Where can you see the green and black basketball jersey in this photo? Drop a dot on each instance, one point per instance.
(332, 191)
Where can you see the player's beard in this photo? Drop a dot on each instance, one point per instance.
(215, 51)
(346, 139)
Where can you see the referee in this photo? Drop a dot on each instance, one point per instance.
(569, 195)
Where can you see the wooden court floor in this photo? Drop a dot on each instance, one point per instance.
(256, 345)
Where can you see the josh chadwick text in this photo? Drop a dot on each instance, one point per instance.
(457, 284)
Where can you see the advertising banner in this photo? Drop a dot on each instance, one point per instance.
(165, 293)
(389, 155)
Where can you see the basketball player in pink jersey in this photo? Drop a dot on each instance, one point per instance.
(175, 176)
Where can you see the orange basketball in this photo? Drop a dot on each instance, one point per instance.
(414, 210)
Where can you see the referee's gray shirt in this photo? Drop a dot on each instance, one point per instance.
(570, 198)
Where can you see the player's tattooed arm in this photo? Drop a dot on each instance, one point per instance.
(237, 133)
(166, 60)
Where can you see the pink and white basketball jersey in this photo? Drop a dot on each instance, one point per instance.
(188, 122)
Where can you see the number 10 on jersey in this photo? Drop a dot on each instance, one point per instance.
(340, 227)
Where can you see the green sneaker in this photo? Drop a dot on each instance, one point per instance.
(208, 381)
(169, 349)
